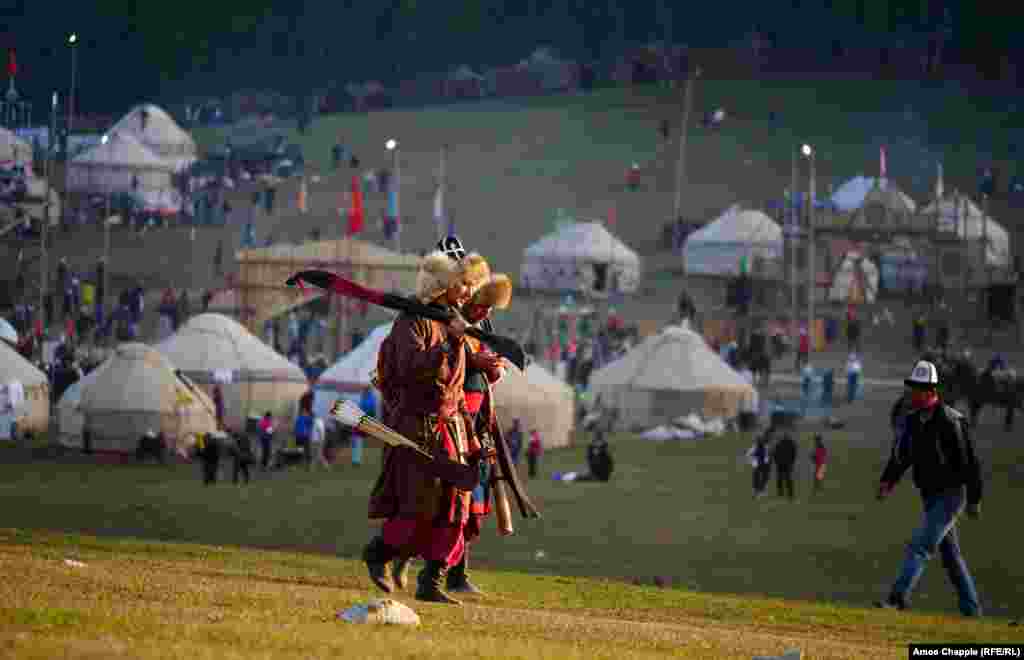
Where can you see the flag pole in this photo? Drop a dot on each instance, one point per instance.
(439, 210)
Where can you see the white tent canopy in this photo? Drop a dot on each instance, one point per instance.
(137, 391)
(213, 348)
(716, 248)
(159, 133)
(538, 399)
(70, 418)
(577, 257)
(960, 213)
(669, 375)
(7, 332)
(13, 148)
(33, 412)
(114, 166)
(855, 281)
(853, 194)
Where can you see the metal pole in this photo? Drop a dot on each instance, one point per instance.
(683, 134)
(794, 226)
(441, 184)
(398, 186)
(988, 271)
(811, 266)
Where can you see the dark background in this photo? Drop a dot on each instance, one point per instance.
(131, 51)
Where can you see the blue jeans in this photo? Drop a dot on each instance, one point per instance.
(938, 531)
(357, 449)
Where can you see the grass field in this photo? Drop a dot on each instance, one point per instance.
(681, 512)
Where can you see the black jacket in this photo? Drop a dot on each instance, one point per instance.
(941, 453)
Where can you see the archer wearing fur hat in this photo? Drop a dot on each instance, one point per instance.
(421, 368)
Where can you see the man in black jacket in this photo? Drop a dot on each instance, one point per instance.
(935, 443)
(784, 457)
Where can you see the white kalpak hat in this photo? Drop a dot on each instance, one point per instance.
(924, 375)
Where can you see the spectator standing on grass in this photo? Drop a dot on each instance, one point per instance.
(303, 431)
(534, 452)
(515, 441)
(935, 442)
(266, 427)
(854, 371)
(820, 460)
(760, 460)
(317, 442)
(784, 456)
(243, 456)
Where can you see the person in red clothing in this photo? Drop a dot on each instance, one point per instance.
(820, 458)
(533, 452)
(803, 351)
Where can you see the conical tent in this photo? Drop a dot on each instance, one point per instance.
(669, 375)
(718, 247)
(158, 131)
(117, 165)
(581, 256)
(13, 148)
(138, 391)
(254, 378)
(958, 213)
(536, 397)
(861, 190)
(33, 412)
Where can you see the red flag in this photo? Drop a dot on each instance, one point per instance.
(881, 162)
(12, 63)
(355, 213)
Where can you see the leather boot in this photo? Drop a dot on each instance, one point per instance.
(429, 583)
(400, 571)
(458, 580)
(378, 556)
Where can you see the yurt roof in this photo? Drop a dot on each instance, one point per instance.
(12, 147)
(122, 150)
(347, 249)
(677, 358)
(209, 343)
(14, 367)
(137, 378)
(738, 225)
(161, 129)
(859, 190)
(353, 371)
(584, 241)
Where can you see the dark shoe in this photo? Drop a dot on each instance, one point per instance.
(893, 602)
(458, 582)
(400, 571)
(377, 556)
(428, 588)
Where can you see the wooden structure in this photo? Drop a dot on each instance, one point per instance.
(263, 295)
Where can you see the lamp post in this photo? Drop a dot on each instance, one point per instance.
(392, 146)
(683, 134)
(808, 153)
(72, 42)
(44, 261)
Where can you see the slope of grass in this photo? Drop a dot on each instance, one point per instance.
(143, 599)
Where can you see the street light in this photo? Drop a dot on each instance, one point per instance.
(392, 146)
(812, 279)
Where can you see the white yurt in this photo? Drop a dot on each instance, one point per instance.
(959, 213)
(8, 333)
(24, 395)
(535, 396)
(213, 349)
(717, 247)
(581, 256)
(855, 281)
(137, 391)
(13, 148)
(540, 401)
(158, 131)
(113, 166)
(861, 191)
(351, 374)
(669, 375)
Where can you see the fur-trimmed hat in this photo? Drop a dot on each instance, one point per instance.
(497, 292)
(475, 270)
(436, 274)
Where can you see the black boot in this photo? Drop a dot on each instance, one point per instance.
(378, 556)
(458, 580)
(400, 571)
(428, 587)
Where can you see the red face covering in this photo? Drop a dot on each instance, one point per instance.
(924, 399)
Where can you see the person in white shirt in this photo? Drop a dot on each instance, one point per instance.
(318, 441)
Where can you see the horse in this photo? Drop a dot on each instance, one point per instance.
(960, 379)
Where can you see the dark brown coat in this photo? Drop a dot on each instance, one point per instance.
(423, 385)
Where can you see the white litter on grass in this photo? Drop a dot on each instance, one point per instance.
(792, 654)
(381, 610)
(74, 563)
(540, 554)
